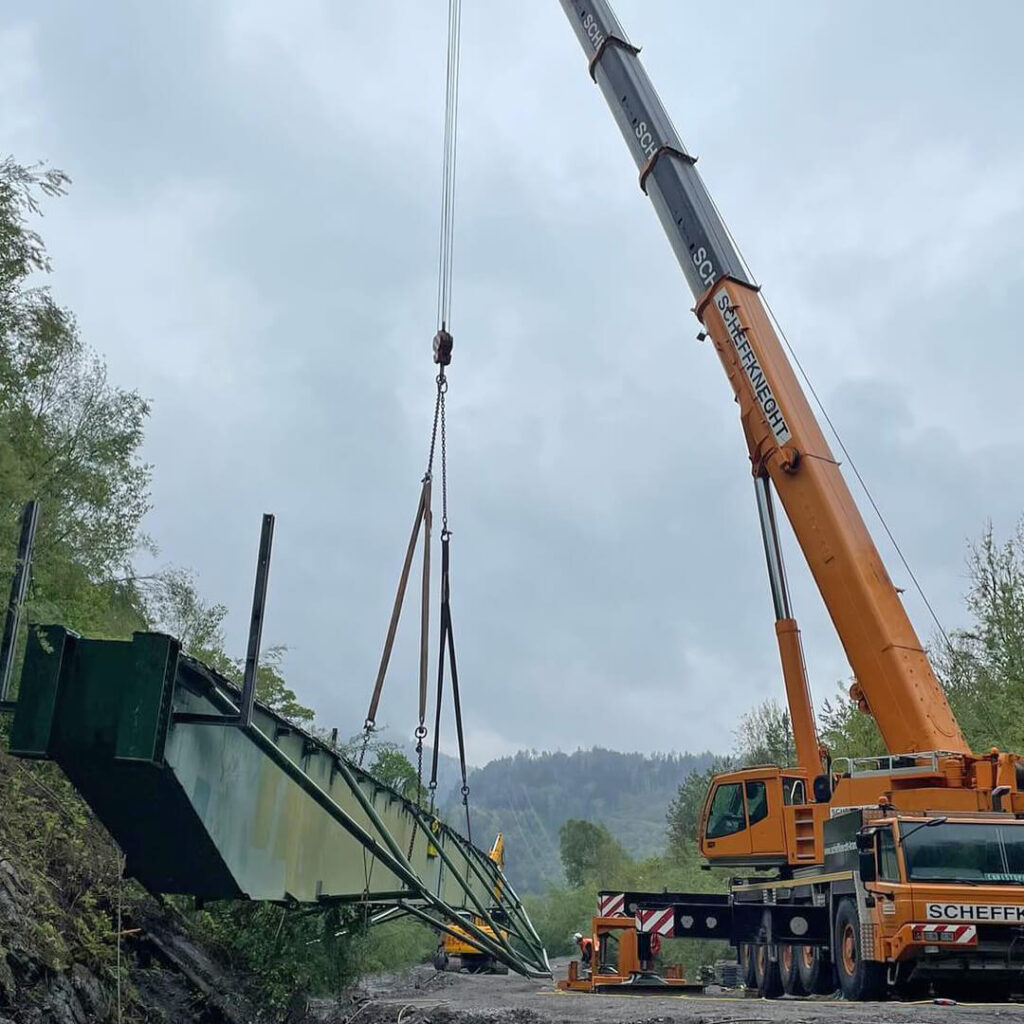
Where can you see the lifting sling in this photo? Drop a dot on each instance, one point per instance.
(442, 355)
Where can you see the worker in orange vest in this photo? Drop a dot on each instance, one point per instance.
(586, 944)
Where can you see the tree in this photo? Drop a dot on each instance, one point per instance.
(765, 736)
(846, 731)
(67, 435)
(590, 853)
(273, 690)
(983, 665)
(173, 605)
(684, 812)
(394, 769)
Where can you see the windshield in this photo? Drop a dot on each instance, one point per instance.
(964, 852)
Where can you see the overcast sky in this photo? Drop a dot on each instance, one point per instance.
(250, 241)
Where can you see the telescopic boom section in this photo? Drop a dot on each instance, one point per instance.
(894, 677)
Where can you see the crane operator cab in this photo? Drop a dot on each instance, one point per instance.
(748, 813)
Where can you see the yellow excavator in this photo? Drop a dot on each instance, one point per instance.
(454, 950)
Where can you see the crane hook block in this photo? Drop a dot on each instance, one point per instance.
(443, 342)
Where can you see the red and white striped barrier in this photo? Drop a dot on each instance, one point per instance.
(957, 934)
(657, 922)
(610, 904)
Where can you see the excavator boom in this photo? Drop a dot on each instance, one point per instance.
(894, 678)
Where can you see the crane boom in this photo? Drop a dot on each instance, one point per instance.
(894, 679)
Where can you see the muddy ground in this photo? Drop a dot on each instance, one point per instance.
(421, 995)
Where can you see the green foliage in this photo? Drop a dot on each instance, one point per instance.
(61, 873)
(283, 949)
(983, 669)
(394, 944)
(559, 913)
(846, 731)
(685, 810)
(765, 736)
(394, 769)
(71, 438)
(562, 911)
(272, 689)
(590, 853)
(174, 605)
(321, 950)
(530, 796)
(67, 436)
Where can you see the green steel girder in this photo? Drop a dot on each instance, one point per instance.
(203, 805)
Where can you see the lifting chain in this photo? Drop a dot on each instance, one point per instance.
(442, 353)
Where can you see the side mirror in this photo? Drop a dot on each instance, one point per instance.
(822, 789)
(866, 865)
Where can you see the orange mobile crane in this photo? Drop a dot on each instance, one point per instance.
(887, 873)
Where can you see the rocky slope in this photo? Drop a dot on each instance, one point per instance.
(77, 942)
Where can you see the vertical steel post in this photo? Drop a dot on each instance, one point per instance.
(19, 585)
(259, 600)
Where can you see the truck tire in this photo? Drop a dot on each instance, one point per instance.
(859, 979)
(746, 958)
(789, 970)
(815, 968)
(766, 972)
(440, 960)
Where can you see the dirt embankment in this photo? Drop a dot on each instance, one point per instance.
(78, 943)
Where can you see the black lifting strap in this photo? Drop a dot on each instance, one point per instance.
(447, 647)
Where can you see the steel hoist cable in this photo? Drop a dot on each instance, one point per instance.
(450, 148)
(442, 355)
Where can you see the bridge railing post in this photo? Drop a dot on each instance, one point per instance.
(259, 601)
(19, 587)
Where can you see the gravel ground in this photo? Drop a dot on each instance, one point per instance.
(421, 995)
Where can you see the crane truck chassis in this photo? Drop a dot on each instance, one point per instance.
(883, 874)
(903, 903)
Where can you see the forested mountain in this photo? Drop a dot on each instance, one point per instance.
(531, 795)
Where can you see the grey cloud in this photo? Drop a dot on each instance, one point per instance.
(251, 240)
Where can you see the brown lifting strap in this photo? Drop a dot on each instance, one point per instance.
(423, 518)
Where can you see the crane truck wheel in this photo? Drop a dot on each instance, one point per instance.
(766, 972)
(789, 970)
(859, 979)
(746, 955)
(815, 968)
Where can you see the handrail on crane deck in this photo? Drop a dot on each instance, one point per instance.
(924, 762)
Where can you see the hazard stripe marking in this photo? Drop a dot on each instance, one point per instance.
(656, 922)
(958, 934)
(611, 905)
